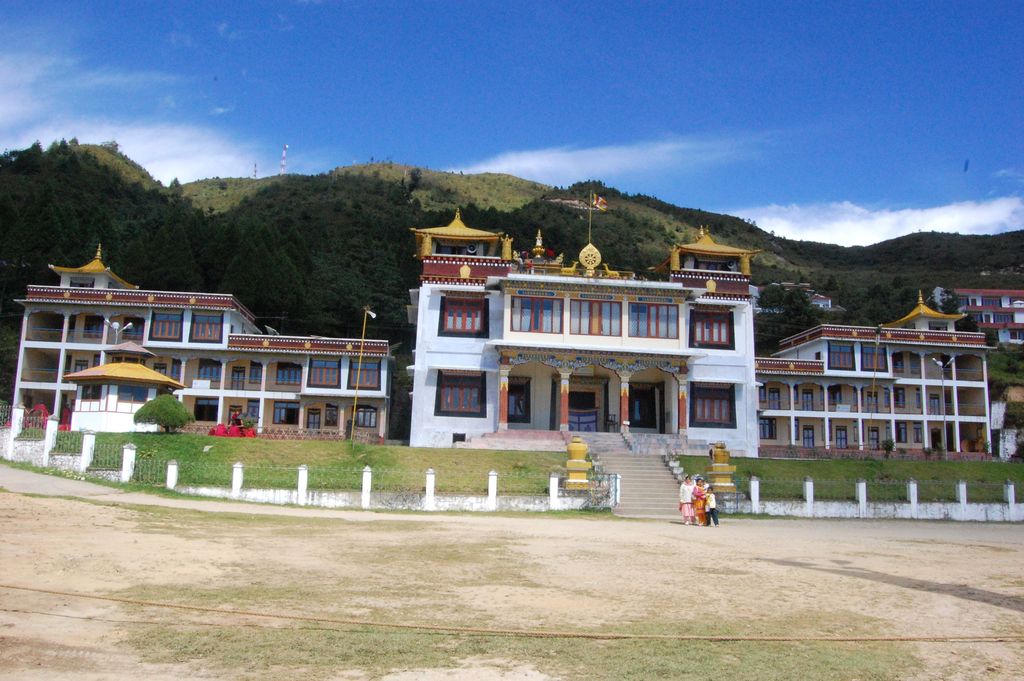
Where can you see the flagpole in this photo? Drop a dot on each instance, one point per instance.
(590, 216)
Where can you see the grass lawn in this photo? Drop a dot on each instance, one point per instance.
(334, 464)
(338, 465)
(835, 478)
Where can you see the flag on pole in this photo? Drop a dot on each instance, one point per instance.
(599, 202)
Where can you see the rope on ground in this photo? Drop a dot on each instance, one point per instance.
(526, 633)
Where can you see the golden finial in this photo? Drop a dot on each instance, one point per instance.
(99, 251)
(458, 214)
(538, 249)
(920, 298)
(700, 232)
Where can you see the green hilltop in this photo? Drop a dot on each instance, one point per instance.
(306, 253)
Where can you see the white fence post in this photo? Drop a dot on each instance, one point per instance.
(17, 422)
(755, 494)
(1010, 495)
(303, 485)
(127, 462)
(172, 474)
(492, 491)
(236, 479)
(429, 501)
(617, 497)
(367, 481)
(961, 494)
(88, 450)
(912, 496)
(553, 492)
(862, 498)
(809, 497)
(50, 438)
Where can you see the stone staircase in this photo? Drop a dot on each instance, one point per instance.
(649, 490)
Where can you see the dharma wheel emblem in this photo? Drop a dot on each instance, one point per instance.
(590, 258)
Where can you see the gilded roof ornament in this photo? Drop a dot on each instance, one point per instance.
(538, 248)
(590, 258)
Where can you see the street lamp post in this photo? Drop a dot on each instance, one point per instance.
(359, 371)
(942, 383)
(118, 330)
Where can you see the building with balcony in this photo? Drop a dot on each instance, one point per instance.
(209, 343)
(916, 381)
(529, 342)
(1001, 310)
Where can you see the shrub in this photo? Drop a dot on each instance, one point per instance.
(165, 411)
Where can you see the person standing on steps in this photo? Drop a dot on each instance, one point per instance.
(686, 500)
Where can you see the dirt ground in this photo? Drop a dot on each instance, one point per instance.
(570, 574)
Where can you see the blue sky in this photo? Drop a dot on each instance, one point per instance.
(848, 122)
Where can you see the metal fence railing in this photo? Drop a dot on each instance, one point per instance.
(68, 442)
(106, 456)
(150, 472)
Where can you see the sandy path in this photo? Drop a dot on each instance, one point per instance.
(759, 577)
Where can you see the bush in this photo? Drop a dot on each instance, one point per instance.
(165, 411)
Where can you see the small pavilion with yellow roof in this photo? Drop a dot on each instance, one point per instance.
(707, 254)
(93, 274)
(107, 396)
(925, 318)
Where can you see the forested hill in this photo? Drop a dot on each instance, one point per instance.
(306, 253)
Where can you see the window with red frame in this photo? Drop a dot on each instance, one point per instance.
(324, 373)
(872, 358)
(840, 356)
(595, 318)
(542, 315)
(461, 395)
(653, 321)
(711, 330)
(206, 328)
(463, 317)
(368, 377)
(289, 373)
(713, 407)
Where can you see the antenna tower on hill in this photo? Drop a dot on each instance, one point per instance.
(284, 160)
(254, 171)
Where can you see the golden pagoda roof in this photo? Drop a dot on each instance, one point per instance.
(94, 266)
(456, 230)
(124, 372)
(705, 245)
(922, 310)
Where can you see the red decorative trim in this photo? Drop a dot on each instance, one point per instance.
(899, 336)
(137, 298)
(772, 365)
(305, 345)
(453, 281)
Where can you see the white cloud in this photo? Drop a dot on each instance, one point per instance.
(1011, 174)
(848, 224)
(167, 151)
(48, 98)
(565, 165)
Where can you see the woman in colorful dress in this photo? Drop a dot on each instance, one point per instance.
(686, 500)
(699, 499)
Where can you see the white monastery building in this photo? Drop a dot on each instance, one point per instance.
(218, 361)
(508, 342)
(917, 382)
